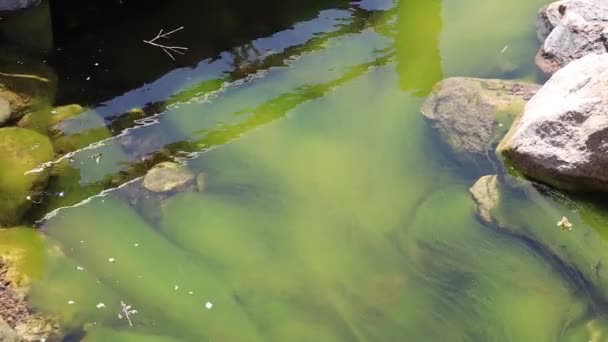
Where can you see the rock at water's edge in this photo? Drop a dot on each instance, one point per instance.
(21, 150)
(569, 30)
(472, 114)
(561, 138)
(48, 120)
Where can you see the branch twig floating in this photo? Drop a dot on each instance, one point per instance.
(169, 50)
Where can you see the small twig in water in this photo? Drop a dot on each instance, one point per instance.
(169, 50)
(126, 312)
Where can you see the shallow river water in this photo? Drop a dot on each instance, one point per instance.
(330, 211)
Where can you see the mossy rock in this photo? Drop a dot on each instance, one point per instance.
(21, 150)
(23, 261)
(45, 120)
(72, 128)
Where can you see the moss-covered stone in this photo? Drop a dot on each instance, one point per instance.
(22, 256)
(21, 150)
(46, 120)
(72, 128)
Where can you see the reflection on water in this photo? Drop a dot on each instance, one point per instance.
(328, 214)
(419, 25)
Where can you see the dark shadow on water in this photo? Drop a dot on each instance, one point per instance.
(103, 40)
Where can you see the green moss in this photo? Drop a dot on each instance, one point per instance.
(195, 91)
(73, 142)
(21, 150)
(43, 120)
(25, 247)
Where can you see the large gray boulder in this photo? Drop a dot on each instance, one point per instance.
(561, 138)
(471, 115)
(14, 5)
(569, 30)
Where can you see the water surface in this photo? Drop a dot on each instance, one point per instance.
(330, 212)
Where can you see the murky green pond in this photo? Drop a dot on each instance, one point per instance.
(330, 211)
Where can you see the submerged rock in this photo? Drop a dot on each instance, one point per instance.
(569, 30)
(472, 114)
(21, 150)
(72, 128)
(149, 195)
(167, 177)
(485, 194)
(561, 138)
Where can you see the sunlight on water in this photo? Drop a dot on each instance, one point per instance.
(329, 211)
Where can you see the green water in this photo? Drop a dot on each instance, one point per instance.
(330, 213)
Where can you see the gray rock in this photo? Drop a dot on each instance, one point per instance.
(14, 5)
(486, 194)
(472, 114)
(561, 138)
(569, 30)
(5, 111)
(166, 177)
